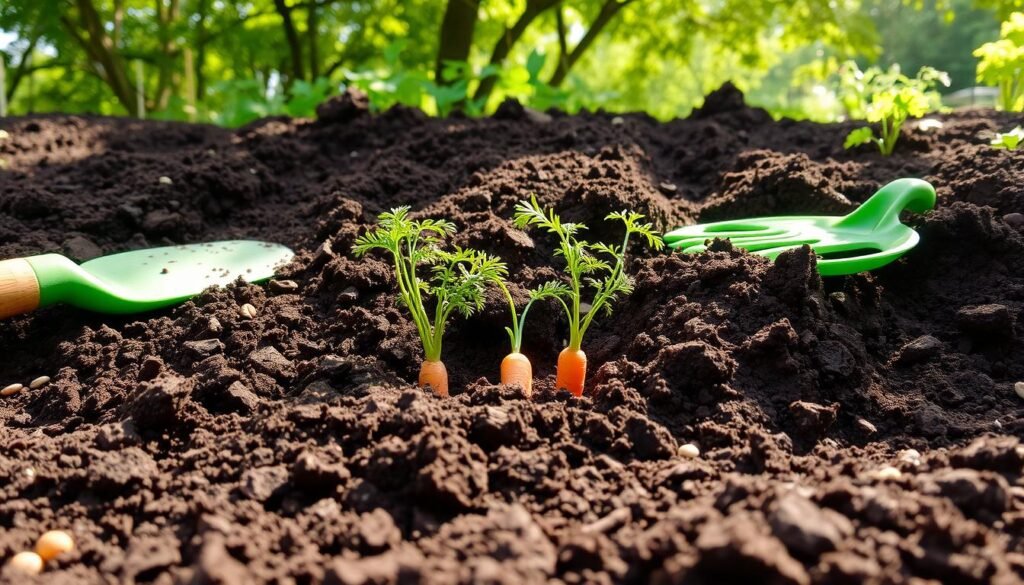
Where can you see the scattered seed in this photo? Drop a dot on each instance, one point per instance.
(28, 563)
(53, 544)
(1019, 389)
(39, 382)
(911, 456)
(4, 135)
(253, 171)
(11, 390)
(690, 451)
(617, 120)
(165, 180)
(247, 311)
(29, 472)
(887, 473)
(867, 426)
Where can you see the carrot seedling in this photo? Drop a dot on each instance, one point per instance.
(457, 281)
(599, 266)
(516, 367)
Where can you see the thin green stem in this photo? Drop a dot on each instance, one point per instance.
(516, 331)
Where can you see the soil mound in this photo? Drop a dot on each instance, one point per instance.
(858, 429)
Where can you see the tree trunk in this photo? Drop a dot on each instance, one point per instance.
(168, 51)
(106, 59)
(20, 69)
(533, 9)
(292, 36)
(312, 36)
(608, 11)
(201, 40)
(456, 34)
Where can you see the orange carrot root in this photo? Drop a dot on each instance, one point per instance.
(516, 369)
(572, 370)
(435, 375)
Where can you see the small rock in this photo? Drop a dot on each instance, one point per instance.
(160, 221)
(806, 529)
(283, 287)
(203, 348)
(165, 180)
(618, 121)
(867, 426)
(982, 320)
(1014, 219)
(261, 483)
(536, 116)
(1019, 389)
(689, 451)
(813, 418)
(82, 249)
(910, 456)
(349, 295)
(240, 398)
(887, 473)
(269, 361)
(918, 350)
(214, 326)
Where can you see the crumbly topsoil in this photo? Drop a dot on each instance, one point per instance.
(196, 445)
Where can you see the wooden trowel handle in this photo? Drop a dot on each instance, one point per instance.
(19, 288)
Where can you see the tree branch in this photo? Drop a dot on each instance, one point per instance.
(508, 39)
(608, 11)
(292, 36)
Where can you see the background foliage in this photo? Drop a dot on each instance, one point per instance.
(230, 62)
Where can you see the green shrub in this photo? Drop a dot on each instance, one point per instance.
(1001, 64)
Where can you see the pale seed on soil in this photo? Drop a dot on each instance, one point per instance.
(11, 390)
(617, 120)
(28, 563)
(887, 473)
(690, 451)
(1019, 389)
(911, 456)
(165, 181)
(247, 311)
(53, 544)
(39, 382)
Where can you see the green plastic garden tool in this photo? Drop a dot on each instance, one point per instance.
(137, 281)
(869, 237)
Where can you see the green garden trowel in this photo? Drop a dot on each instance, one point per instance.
(869, 237)
(133, 282)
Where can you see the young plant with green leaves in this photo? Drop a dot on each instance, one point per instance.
(598, 266)
(456, 282)
(888, 99)
(516, 367)
(1009, 140)
(1001, 63)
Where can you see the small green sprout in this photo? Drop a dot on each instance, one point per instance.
(891, 99)
(1009, 140)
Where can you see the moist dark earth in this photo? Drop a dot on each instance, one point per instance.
(860, 429)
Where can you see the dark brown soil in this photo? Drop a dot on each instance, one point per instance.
(196, 446)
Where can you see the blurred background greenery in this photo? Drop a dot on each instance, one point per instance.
(229, 62)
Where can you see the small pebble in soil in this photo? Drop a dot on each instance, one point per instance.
(27, 563)
(165, 181)
(618, 120)
(1014, 219)
(867, 426)
(689, 450)
(887, 473)
(911, 456)
(283, 286)
(39, 382)
(247, 311)
(11, 389)
(1019, 389)
(4, 135)
(54, 543)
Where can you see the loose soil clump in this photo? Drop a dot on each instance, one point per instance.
(744, 421)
